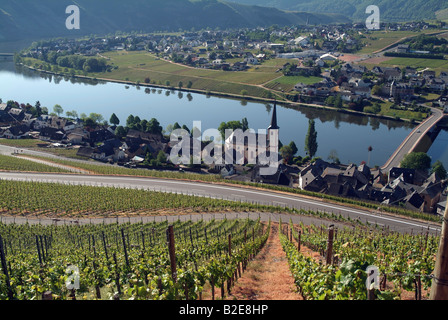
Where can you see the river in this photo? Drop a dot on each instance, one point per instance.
(347, 134)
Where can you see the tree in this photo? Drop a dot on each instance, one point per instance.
(161, 157)
(72, 114)
(96, 117)
(293, 147)
(416, 160)
(58, 109)
(153, 126)
(311, 139)
(338, 102)
(114, 119)
(287, 153)
(439, 169)
(333, 157)
(375, 90)
(120, 132)
(245, 124)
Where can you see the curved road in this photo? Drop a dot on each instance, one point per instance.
(233, 193)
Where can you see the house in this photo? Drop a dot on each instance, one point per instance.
(392, 74)
(239, 66)
(85, 152)
(251, 60)
(78, 136)
(408, 175)
(17, 132)
(428, 74)
(51, 134)
(440, 208)
(444, 76)
(443, 102)
(17, 114)
(403, 48)
(437, 84)
(301, 41)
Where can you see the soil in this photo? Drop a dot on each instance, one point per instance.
(267, 277)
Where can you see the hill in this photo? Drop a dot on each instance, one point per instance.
(391, 10)
(46, 18)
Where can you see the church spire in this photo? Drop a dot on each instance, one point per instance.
(274, 118)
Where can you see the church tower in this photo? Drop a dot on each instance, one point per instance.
(273, 129)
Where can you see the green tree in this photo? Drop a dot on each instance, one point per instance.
(58, 109)
(153, 126)
(293, 147)
(114, 119)
(311, 139)
(338, 102)
(161, 157)
(120, 132)
(416, 160)
(287, 153)
(439, 169)
(245, 124)
(72, 114)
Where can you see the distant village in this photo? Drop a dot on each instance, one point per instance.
(349, 83)
(313, 51)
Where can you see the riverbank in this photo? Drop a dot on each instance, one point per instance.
(282, 102)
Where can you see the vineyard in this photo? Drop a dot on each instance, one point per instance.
(338, 270)
(154, 261)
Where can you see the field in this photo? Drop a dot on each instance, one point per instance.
(11, 163)
(287, 83)
(378, 40)
(420, 64)
(136, 66)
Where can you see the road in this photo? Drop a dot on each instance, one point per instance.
(233, 193)
(412, 139)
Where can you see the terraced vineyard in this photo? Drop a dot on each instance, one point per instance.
(405, 262)
(128, 261)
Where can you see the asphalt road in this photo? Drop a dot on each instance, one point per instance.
(233, 193)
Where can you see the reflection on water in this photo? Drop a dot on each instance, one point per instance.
(348, 134)
(439, 148)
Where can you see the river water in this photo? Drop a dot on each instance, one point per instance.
(348, 135)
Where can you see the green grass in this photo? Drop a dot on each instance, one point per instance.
(23, 143)
(418, 63)
(11, 163)
(287, 83)
(378, 40)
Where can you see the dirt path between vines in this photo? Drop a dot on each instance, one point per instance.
(267, 277)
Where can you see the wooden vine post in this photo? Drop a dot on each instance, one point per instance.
(329, 255)
(172, 252)
(439, 288)
(5, 270)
